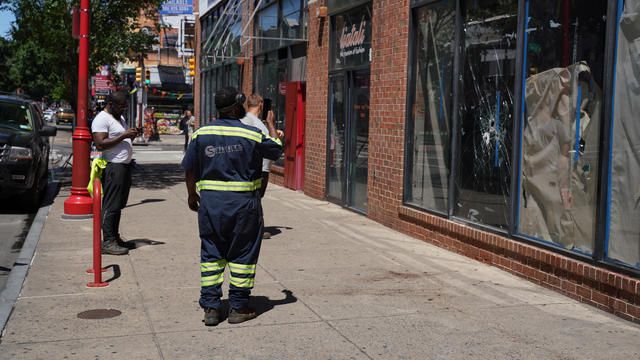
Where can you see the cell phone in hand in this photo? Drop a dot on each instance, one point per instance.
(266, 107)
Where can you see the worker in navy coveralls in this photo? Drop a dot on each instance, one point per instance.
(224, 164)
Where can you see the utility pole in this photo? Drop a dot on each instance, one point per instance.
(79, 204)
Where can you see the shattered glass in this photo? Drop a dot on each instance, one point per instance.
(486, 112)
(561, 125)
(430, 148)
(624, 225)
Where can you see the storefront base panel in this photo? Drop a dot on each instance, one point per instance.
(602, 288)
(276, 175)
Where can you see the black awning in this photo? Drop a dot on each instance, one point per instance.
(172, 78)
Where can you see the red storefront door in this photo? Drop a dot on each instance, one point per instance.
(294, 136)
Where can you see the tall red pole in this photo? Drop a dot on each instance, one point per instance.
(79, 203)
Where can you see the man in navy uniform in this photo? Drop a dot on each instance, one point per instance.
(224, 164)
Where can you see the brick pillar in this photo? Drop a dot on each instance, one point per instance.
(316, 106)
(390, 26)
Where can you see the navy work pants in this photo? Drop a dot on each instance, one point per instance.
(116, 183)
(230, 225)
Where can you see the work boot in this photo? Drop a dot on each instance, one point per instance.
(112, 248)
(211, 317)
(241, 315)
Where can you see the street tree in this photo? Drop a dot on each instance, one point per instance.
(43, 56)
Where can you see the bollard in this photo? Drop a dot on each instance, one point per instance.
(97, 238)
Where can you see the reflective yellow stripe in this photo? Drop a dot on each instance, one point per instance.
(242, 269)
(213, 266)
(276, 140)
(229, 131)
(241, 282)
(229, 185)
(212, 280)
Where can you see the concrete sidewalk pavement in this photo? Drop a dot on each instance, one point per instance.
(331, 284)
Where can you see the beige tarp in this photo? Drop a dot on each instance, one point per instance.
(624, 238)
(558, 194)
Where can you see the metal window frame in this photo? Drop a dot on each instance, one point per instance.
(230, 12)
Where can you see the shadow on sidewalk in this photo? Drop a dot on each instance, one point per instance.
(146, 201)
(261, 304)
(275, 230)
(116, 272)
(157, 176)
(137, 243)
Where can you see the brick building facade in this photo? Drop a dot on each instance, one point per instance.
(443, 123)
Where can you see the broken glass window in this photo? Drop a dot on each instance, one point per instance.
(486, 111)
(429, 150)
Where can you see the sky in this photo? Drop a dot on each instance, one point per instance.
(6, 18)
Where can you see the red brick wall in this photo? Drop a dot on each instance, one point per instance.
(387, 111)
(316, 106)
(599, 287)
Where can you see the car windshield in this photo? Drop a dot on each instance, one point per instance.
(67, 111)
(15, 115)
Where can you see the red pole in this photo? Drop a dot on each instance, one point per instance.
(79, 203)
(97, 237)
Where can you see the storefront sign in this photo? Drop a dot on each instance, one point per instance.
(351, 38)
(176, 7)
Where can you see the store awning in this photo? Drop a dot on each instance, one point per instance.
(169, 78)
(231, 35)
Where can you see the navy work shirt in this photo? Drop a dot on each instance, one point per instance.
(226, 155)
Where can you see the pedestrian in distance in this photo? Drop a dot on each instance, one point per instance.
(114, 139)
(224, 164)
(186, 125)
(255, 108)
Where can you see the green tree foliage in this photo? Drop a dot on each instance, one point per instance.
(42, 56)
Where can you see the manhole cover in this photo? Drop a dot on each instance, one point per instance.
(98, 314)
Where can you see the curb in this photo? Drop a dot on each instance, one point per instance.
(21, 266)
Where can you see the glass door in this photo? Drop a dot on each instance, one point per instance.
(348, 143)
(359, 140)
(336, 179)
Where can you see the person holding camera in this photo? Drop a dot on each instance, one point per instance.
(114, 139)
(255, 108)
(224, 163)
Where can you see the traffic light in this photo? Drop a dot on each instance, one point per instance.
(147, 76)
(139, 74)
(192, 67)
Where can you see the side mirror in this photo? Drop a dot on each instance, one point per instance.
(48, 131)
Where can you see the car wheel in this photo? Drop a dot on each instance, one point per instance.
(31, 198)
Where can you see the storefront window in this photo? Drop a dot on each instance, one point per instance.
(561, 123)
(624, 213)
(290, 25)
(267, 27)
(429, 150)
(485, 112)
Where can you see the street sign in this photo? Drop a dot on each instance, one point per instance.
(102, 83)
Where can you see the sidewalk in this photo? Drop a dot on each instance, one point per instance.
(331, 284)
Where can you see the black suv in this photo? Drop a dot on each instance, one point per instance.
(24, 150)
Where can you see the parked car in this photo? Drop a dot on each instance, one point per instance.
(65, 115)
(48, 115)
(24, 151)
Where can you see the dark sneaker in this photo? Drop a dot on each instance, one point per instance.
(241, 315)
(211, 317)
(112, 248)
